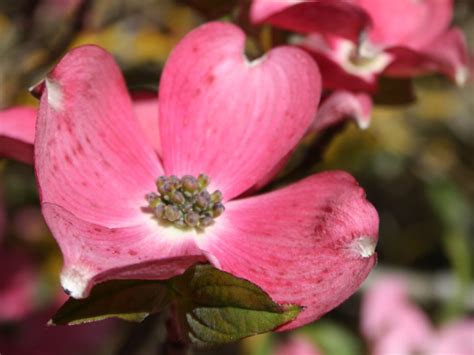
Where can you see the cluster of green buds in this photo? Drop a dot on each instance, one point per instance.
(185, 202)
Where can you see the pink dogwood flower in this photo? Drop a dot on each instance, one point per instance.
(407, 38)
(423, 44)
(394, 325)
(220, 117)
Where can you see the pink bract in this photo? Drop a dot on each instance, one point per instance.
(307, 16)
(17, 132)
(447, 55)
(423, 21)
(341, 105)
(311, 243)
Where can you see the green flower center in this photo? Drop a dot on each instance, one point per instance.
(185, 203)
(361, 60)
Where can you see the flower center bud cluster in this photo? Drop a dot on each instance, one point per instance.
(185, 202)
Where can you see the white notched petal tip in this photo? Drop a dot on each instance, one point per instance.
(363, 122)
(254, 62)
(55, 95)
(75, 283)
(461, 76)
(364, 246)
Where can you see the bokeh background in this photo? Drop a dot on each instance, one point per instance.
(415, 161)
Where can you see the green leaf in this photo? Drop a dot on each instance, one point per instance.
(213, 306)
(207, 286)
(129, 300)
(210, 326)
(218, 308)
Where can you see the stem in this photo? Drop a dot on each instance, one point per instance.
(175, 343)
(143, 337)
